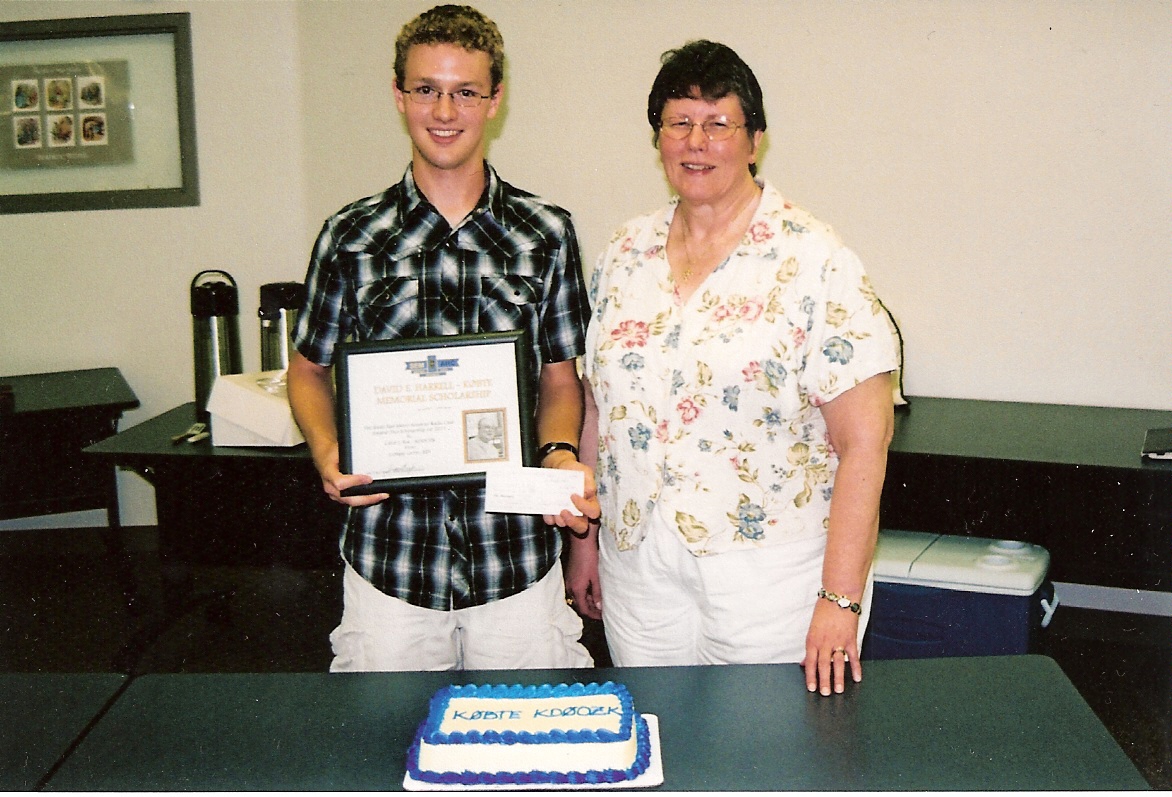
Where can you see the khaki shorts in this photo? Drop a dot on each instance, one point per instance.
(533, 629)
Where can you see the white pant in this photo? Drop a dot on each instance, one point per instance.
(663, 606)
(532, 629)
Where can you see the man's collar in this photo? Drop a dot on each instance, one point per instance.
(484, 229)
(491, 199)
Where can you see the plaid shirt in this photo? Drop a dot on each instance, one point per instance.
(390, 266)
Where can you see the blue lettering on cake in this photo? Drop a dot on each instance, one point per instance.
(486, 715)
(577, 711)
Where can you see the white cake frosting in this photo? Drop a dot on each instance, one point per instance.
(518, 735)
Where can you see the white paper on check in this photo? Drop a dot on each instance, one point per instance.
(532, 491)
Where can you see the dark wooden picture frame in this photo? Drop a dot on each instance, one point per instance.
(74, 42)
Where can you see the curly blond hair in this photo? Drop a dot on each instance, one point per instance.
(451, 24)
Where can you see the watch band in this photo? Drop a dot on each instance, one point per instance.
(842, 601)
(549, 448)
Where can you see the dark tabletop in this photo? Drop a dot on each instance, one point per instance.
(150, 442)
(956, 724)
(40, 717)
(64, 390)
(1050, 433)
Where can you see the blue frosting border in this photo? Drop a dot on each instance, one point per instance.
(428, 731)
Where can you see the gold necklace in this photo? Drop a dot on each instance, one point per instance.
(688, 271)
(687, 275)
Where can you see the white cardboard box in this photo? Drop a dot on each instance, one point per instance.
(252, 410)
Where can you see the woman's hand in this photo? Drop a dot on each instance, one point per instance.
(831, 648)
(583, 589)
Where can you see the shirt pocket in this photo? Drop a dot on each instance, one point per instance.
(388, 307)
(508, 302)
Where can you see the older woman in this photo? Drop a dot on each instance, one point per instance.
(740, 366)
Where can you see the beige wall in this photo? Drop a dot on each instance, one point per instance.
(1001, 167)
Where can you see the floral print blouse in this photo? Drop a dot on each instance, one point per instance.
(708, 409)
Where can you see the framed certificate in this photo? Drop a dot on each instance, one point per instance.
(429, 413)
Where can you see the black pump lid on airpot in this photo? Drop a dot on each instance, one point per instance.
(277, 296)
(214, 299)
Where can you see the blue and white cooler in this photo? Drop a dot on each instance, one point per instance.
(942, 595)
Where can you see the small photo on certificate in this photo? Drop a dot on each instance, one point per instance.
(484, 438)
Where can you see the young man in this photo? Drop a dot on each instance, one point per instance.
(431, 580)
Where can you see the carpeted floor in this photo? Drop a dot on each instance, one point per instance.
(62, 610)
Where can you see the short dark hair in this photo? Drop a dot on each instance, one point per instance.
(463, 26)
(709, 71)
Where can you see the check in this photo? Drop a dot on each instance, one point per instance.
(533, 491)
(429, 413)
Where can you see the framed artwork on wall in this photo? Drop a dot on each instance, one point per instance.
(97, 113)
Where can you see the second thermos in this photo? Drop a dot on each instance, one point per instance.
(279, 305)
